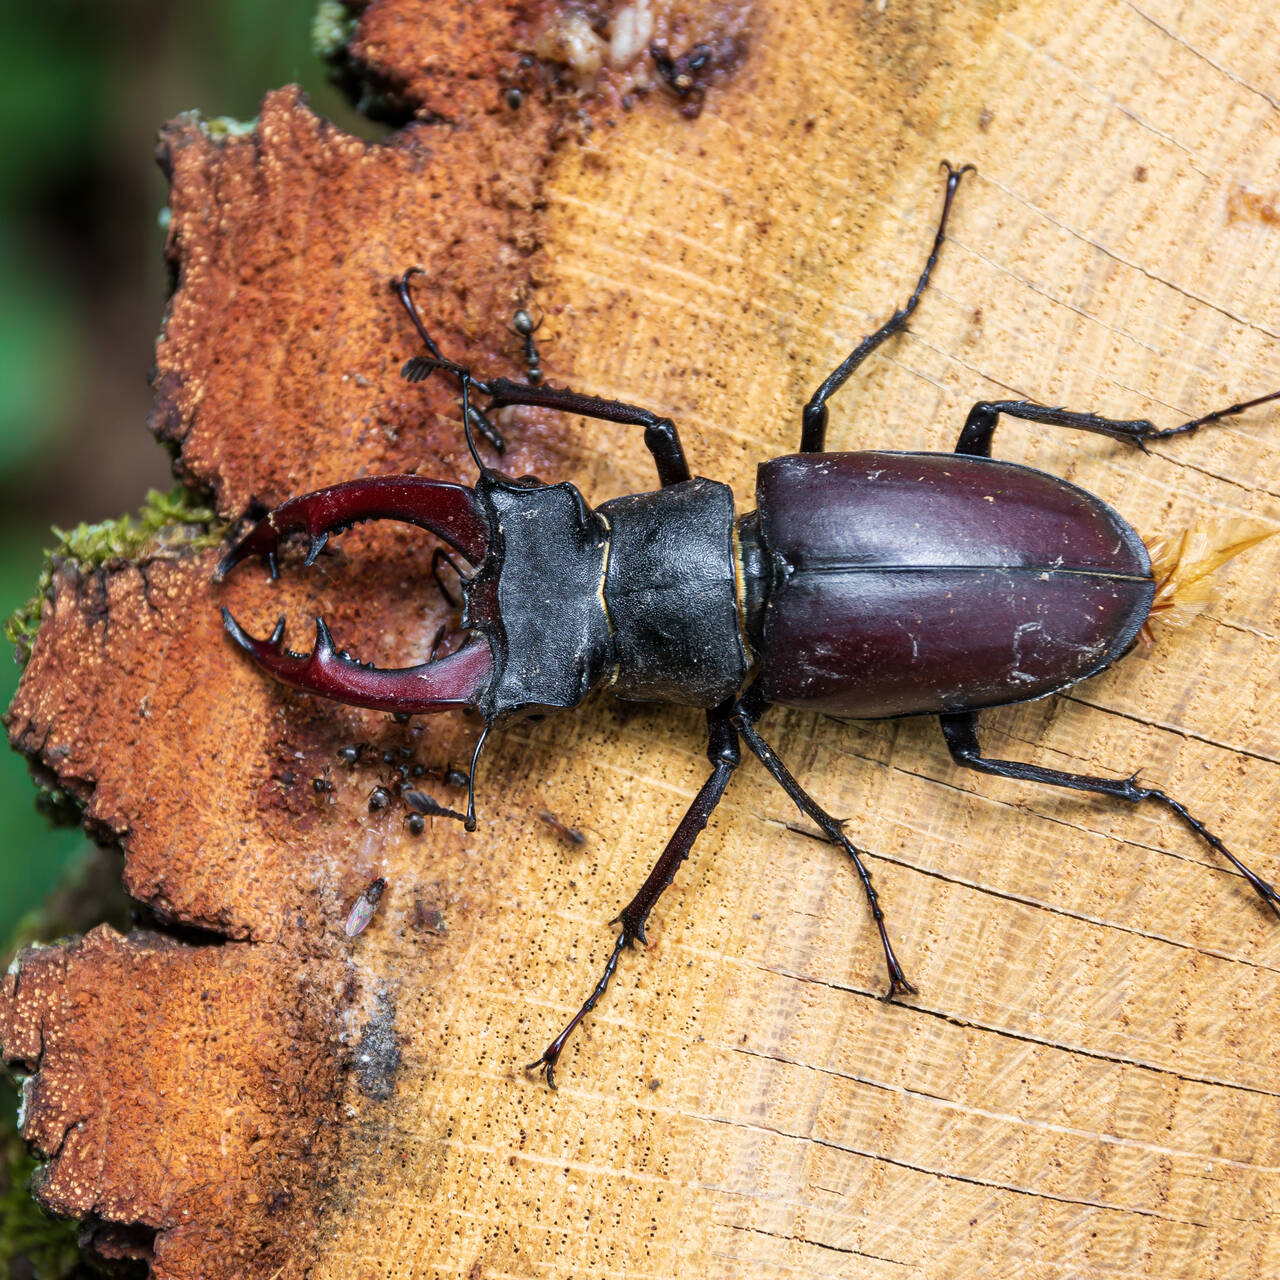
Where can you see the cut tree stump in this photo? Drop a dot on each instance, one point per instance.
(1086, 1084)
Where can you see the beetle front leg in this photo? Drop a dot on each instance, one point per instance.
(748, 711)
(980, 425)
(420, 371)
(813, 421)
(660, 435)
(722, 751)
(961, 733)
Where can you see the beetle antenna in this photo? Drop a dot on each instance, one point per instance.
(470, 823)
(464, 377)
(420, 368)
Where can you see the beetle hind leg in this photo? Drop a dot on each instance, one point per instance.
(980, 425)
(961, 733)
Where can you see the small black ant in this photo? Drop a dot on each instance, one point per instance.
(524, 326)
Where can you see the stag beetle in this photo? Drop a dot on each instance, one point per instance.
(864, 585)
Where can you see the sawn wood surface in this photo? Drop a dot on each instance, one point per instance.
(1086, 1085)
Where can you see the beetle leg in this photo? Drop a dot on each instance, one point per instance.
(420, 370)
(660, 435)
(452, 682)
(831, 827)
(438, 557)
(813, 428)
(722, 751)
(961, 733)
(450, 511)
(980, 425)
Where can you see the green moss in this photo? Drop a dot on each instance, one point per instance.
(220, 128)
(31, 1242)
(331, 28)
(167, 522)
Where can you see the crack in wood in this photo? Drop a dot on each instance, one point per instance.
(991, 1184)
(1024, 1037)
(1005, 1117)
(817, 1244)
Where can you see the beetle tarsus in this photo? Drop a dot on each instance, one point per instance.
(551, 1055)
(898, 984)
(1256, 882)
(830, 827)
(813, 419)
(722, 751)
(419, 369)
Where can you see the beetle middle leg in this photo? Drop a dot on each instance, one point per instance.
(722, 751)
(813, 422)
(980, 425)
(747, 712)
(961, 733)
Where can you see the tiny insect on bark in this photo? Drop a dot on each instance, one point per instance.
(865, 585)
(562, 829)
(523, 326)
(362, 910)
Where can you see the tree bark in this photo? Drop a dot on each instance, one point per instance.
(1086, 1084)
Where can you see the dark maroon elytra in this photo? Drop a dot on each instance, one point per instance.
(865, 585)
(911, 583)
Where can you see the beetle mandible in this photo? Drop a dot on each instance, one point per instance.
(864, 585)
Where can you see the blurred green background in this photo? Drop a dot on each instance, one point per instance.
(83, 89)
(84, 85)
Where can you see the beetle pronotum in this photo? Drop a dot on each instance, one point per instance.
(864, 585)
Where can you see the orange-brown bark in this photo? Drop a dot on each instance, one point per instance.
(1086, 1083)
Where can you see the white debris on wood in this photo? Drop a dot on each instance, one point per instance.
(621, 45)
(630, 34)
(570, 40)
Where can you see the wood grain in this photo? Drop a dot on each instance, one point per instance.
(1087, 1083)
